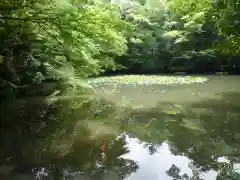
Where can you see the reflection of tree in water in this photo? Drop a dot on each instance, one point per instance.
(226, 172)
(151, 148)
(114, 166)
(85, 160)
(33, 137)
(201, 131)
(46, 139)
(174, 172)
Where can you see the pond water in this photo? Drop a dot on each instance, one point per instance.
(156, 166)
(155, 132)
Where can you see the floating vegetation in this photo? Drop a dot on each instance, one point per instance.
(147, 80)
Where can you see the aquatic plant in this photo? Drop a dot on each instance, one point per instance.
(143, 79)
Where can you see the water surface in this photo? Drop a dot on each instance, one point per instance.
(155, 132)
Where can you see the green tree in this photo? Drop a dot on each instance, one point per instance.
(46, 48)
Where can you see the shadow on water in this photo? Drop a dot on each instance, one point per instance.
(187, 141)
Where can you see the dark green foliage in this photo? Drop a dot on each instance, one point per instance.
(46, 48)
(179, 35)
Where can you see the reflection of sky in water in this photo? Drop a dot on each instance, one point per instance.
(154, 167)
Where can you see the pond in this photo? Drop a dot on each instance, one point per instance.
(188, 129)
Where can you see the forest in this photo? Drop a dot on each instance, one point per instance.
(49, 48)
(60, 41)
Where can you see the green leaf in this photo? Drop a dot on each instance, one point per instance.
(173, 34)
(180, 40)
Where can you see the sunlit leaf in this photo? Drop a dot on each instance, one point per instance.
(173, 34)
(180, 40)
(198, 15)
(185, 17)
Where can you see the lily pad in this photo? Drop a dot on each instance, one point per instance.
(148, 80)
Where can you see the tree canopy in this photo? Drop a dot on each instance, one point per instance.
(49, 48)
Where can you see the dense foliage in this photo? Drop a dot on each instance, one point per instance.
(48, 47)
(178, 35)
